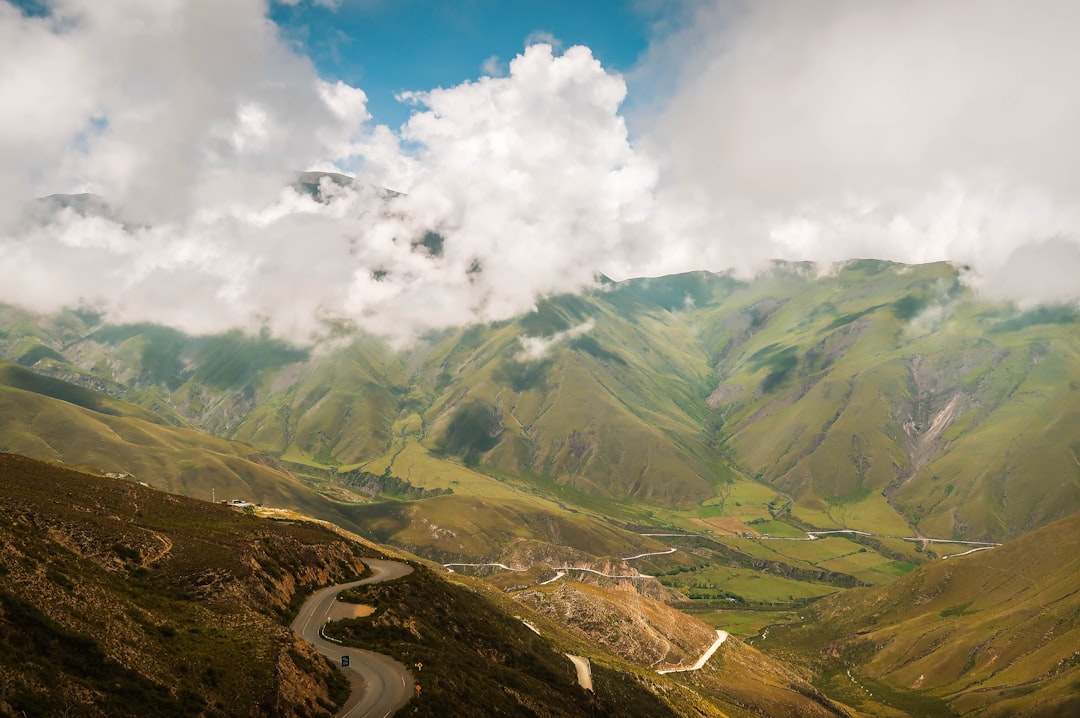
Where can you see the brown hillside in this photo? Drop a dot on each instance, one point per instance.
(116, 599)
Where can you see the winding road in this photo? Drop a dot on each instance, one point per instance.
(380, 685)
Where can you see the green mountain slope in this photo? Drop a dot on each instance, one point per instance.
(876, 396)
(993, 633)
(45, 418)
(607, 403)
(897, 382)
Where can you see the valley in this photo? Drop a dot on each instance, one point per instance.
(632, 470)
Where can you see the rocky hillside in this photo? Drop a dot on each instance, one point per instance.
(116, 599)
(630, 625)
(737, 679)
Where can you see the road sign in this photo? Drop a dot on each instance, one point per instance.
(344, 661)
(419, 666)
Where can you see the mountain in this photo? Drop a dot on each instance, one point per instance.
(895, 383)
(877, 397)
(992, 633)
(84, 204)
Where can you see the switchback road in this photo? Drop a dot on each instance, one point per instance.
(380, 685)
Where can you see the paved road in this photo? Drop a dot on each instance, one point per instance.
(380, 685)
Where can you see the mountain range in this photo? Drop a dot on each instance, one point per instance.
(867, 391)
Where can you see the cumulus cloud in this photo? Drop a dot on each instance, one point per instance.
(493, 65)
(505, 188)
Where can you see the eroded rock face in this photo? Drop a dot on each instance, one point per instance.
(630, 625)
(302, 678)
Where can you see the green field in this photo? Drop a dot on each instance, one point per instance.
(741, 623)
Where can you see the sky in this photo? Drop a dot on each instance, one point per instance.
(545, 142)
(388, 47)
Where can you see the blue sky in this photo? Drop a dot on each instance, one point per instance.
(387, 46)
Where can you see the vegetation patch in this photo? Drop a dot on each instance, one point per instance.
(1057, 314)
(473, 430)
(781, 362)
(522, 375)
(26, 380)
(590, 346)
(960, 609)
(387, 485)
(38, 352)
(908, 307)
(235, 359)
(845, 319)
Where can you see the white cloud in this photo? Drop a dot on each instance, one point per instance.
(543, 37)
(535, 348)
(794, 133)
(529, 179)
(915, 131)
(164, 107)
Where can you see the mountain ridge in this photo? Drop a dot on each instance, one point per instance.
(659, 390)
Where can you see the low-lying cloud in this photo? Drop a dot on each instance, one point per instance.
(913, 131)
(536, 348)
(918, 130)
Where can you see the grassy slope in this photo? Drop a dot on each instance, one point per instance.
(993, 633)
(837, 405)
(49, 419)
(616, 411)
(333, 411)
(474, 528)
(116, 599)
